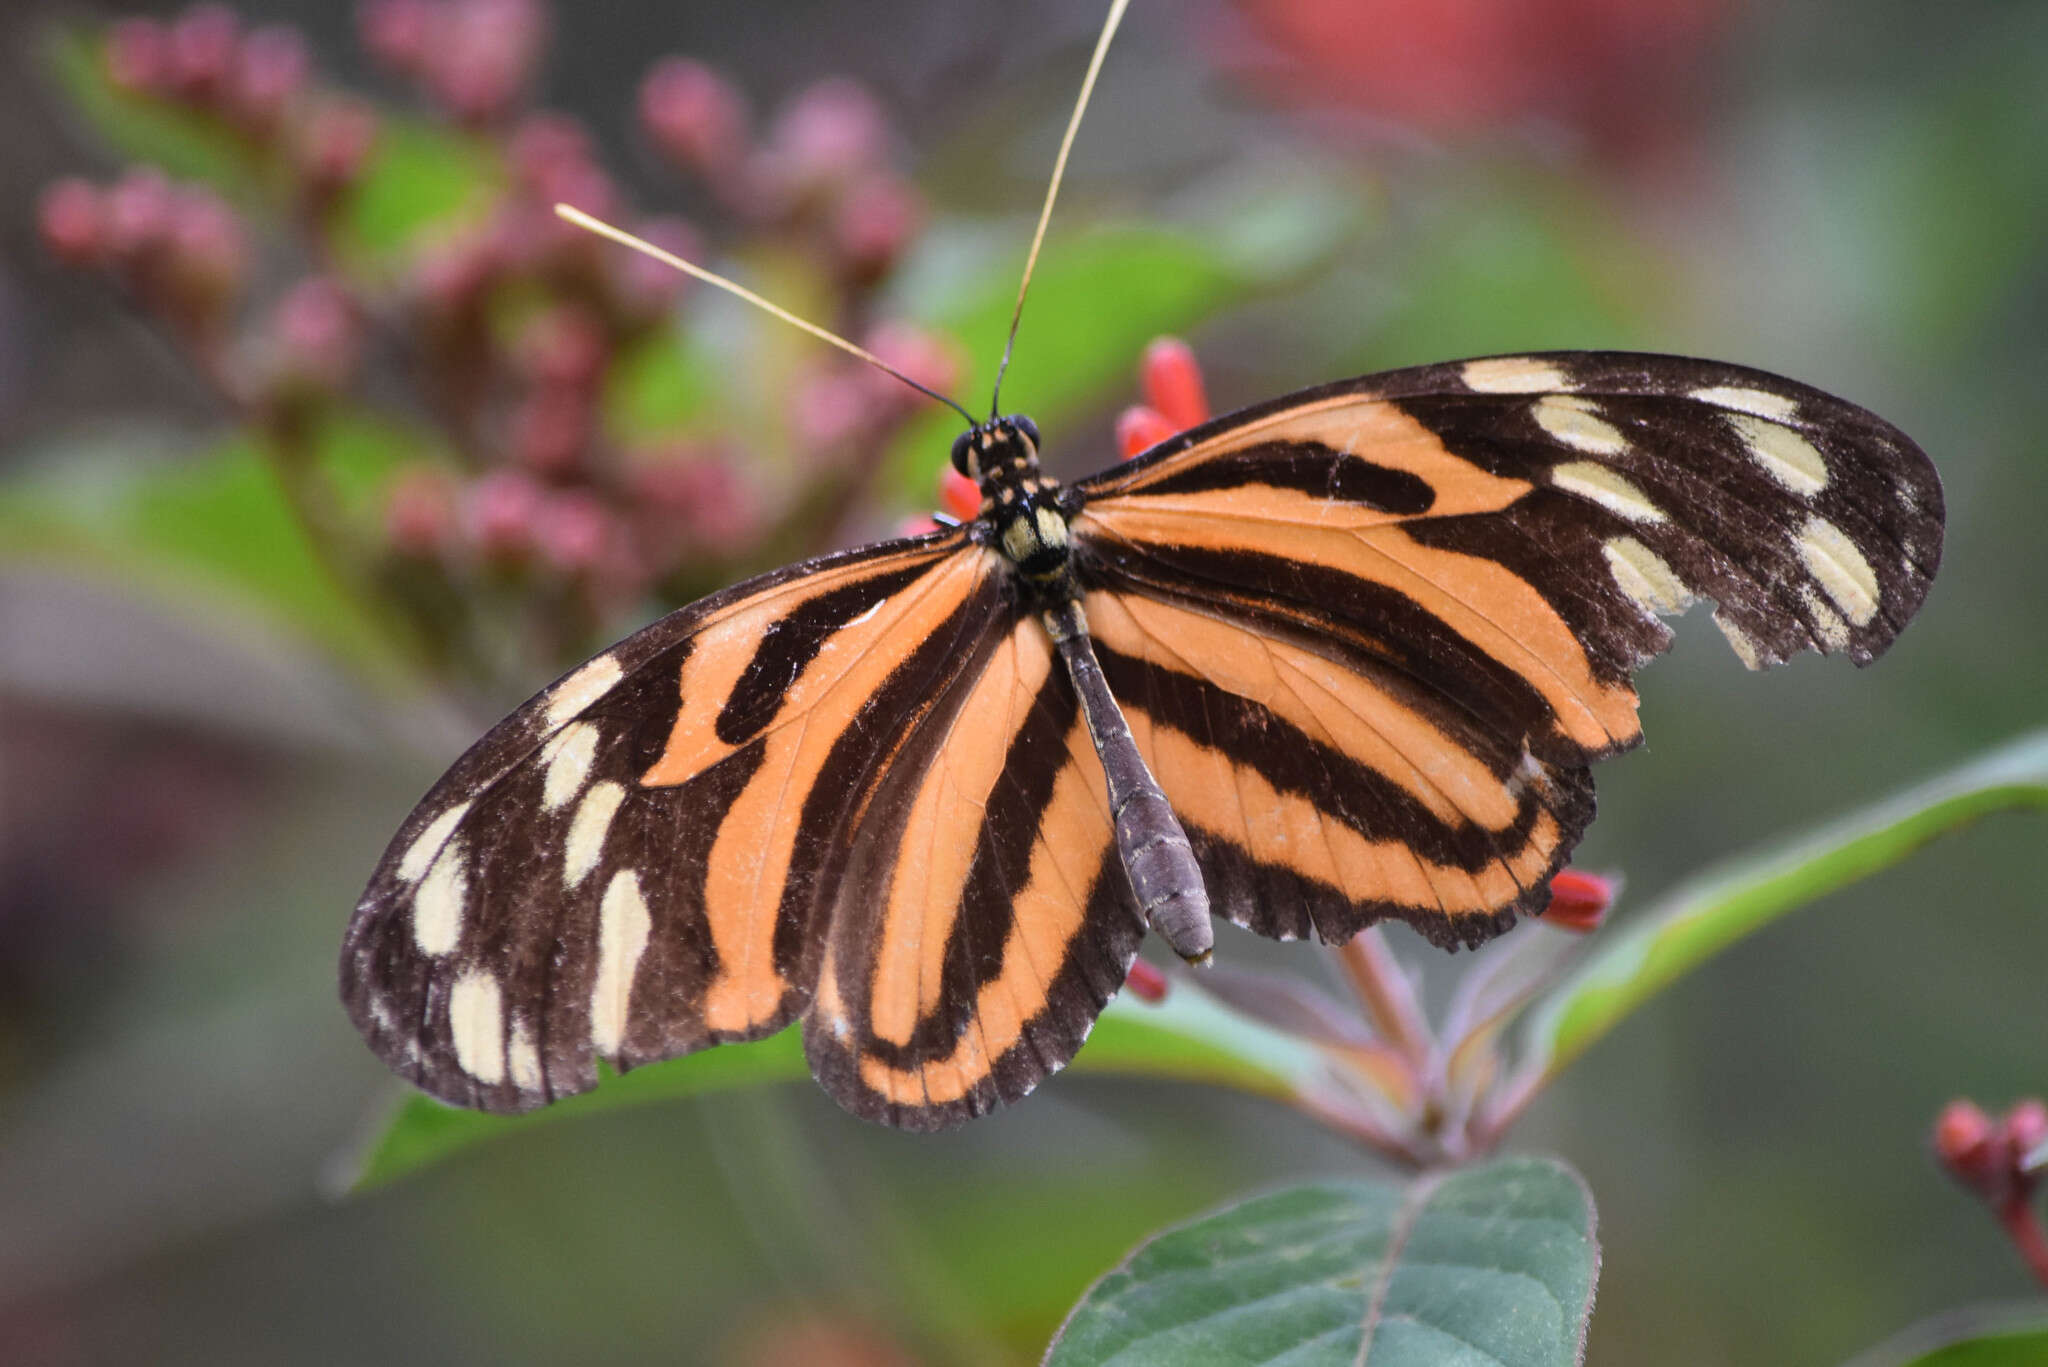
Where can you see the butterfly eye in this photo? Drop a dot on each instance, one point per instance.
(963, 455)
(1028, 428)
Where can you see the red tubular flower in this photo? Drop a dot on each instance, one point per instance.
(1171, 380)
(1579, 902)
(1145, 982)
(1139, 428)
(959, 495)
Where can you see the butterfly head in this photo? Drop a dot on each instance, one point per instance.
(1002, 451)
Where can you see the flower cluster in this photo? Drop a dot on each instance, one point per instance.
(2002, 1161)
(501, 338)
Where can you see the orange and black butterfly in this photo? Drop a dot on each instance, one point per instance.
(1333, 659)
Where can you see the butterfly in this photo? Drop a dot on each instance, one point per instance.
(1333, 659)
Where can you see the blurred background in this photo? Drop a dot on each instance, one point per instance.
(319, 453)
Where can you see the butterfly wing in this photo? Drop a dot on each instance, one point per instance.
(634, 864)
(1376, 630)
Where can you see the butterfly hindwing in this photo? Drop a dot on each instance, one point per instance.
(633, 865)
(1444, 578)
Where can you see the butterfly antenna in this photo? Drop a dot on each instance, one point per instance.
(710, 277)
(1052, 191)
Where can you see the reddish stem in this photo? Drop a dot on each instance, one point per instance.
(1381, 983)
(2016, 1215)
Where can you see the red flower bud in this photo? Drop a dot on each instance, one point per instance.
(959, 495)
(203, 47)
(1968, 1145)
(644, 287)
(694, 117)
(923, 356)
(481, 55)
(879, 218)
(551, 429)
(1579, 902)
(1140, 428)
(2026, 1127)
(575, 533)
(139, 209)
(139, 57)
(543, 147)
(499, 513)
(826, 138)
(317, 334)
(1171, 380)
(71, 216)
(1145, 982)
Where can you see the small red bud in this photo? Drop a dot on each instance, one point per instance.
(71, 216)
(203, 47)
(644, 287)
(139, 209)
(833, 407)
(693, 116)
(139, 56)
(543, 146)
(959, 495)
(450, 277)
(209, 254)
(317, 333)
(482, 55)
(923, 356)
(562, 347)
(1145, 982)
(1139, 428)
(574, 532)
(551, 430)
(830, 131)
(1171, 380)
(335, 144)
(2026, 1127)
(1579, 902)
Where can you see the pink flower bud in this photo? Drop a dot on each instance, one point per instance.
(563, 347)
(1139, 428)
(694, 117)
(270, 74)
(544, 148)
(316, 332)
(551, 429)
(335, 144)
(139, 209)
(879, 218)
(419, 512)
(397, 33)
(646, 288)
(2026, 1127)
(575, 533)
(828, 135)
(1171, 380)
(499, 513)
(833, 407)
(923, 356)
(71, 216)
(209, 254)
(203, 47)
(483, 55)
(139, 57)
(1968, 1145)
(451, 277)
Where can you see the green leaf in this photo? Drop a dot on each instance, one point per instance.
(1706, 915)
(419, 176)
(1186, 1038)
(184, 143)
(1488, 1265)
(1996, 1336)
(199, 530)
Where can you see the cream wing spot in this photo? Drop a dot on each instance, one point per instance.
(1842, 572)
(587, 830)
(420, 854)
(1591, 480)
(569, 697)
(623, 926)
(438, 904)
(1644, 575)
(1763, 403)
(1513, 375)
(524, 1059)
(476, 1021)
(1578, 424)
(1738, 641)
(1785, 456)
(568, 758)
(1834, 632)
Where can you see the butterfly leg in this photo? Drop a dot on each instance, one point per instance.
(1164, 876)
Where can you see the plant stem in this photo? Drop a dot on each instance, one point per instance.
(1389, 997)
(2023, 1227)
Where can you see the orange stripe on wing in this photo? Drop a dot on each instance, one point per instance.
(1050, 911)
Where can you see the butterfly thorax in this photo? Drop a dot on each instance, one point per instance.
(1024, 510)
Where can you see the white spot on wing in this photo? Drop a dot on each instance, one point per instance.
(1513, 375)
(1834, 632)
(1842, 572)
(622, 931)
(568, 756)
(880, 603)
(1761, 402)
(1784, 455)
(523, 1058)
(476, 1020)
(421, 852)
(1739, 642)
(1578, 424)
(587, 831)
(569, 697)
(1643, 575)
(437, 905)
(1603, 486)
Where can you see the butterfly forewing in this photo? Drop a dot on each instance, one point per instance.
(632, 865)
